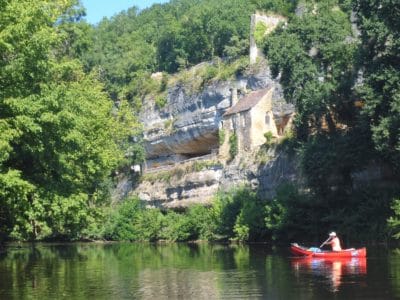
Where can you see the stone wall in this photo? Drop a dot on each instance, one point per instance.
(271, 22)
(259, 126)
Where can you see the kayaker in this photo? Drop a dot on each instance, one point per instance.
(334, 242)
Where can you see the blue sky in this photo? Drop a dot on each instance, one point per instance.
(97, 9)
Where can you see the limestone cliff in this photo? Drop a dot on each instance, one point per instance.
(183, 166)
(188, 125)
(183, 184)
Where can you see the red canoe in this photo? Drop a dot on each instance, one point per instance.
(303, 251)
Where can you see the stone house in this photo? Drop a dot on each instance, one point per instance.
(249, 119)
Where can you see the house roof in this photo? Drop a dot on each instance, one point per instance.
(247, 102)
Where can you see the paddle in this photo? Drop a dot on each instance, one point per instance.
(325, 241)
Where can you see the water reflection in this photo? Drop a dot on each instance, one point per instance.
(180, 271)
(334, 270)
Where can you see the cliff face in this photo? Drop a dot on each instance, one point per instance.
(188, 125)
(183, 166)
(178, 188)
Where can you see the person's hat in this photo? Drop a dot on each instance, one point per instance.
(332, 233)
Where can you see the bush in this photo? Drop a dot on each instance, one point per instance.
(249, 225)
(210, 73)
(268, 138)
(196, 223)
(161, 101)
(233, 145)
(177, 227)
(239, 216)
(148, 224)
(204, 223)
(120, 224)
(164, 82)
(292, 215)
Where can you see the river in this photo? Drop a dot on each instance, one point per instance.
(190, 271)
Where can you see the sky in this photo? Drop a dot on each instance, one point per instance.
(97, 9)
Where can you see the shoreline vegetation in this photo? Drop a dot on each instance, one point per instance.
(71, 94)
(240, 216)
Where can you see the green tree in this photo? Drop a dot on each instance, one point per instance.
(60, 139)
(379, 24)
(284, 7)
(315, 56)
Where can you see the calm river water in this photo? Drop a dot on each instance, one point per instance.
(199, 271)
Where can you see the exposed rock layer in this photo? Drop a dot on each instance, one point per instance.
(188, 124)
(188, 127)
(181, 191)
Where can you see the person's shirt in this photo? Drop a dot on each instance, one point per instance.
(335, 244)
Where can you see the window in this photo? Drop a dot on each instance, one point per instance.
(267, 119)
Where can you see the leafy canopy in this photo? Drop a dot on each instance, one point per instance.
(60, 138)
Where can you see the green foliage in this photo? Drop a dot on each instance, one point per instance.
(169, 125)
(204, 222)
(269, 137)
(76, 34)
(196, 223)
(211, 72)
(238, 215)
(233, 68)
(164, 82)
(130, 221)
(233, 145)
(288, 143)
(214, 71)
(60, 139)
(15, 197)
(289, 215)
(119, 225)
(236, 48)
(178, 227)
(259, 32)
(148, 224)
(195, 79)
(161, 101)
(283, 7)
(168, 37)
(361, 216)
(179, 171)
(348, 152)
(318, 57)
(394, 221)
(221, 136)
(249, 224)
(380, 89)
(158, 176)
(263, 155)
(366, 213)
(315, 57)
(201, 165)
